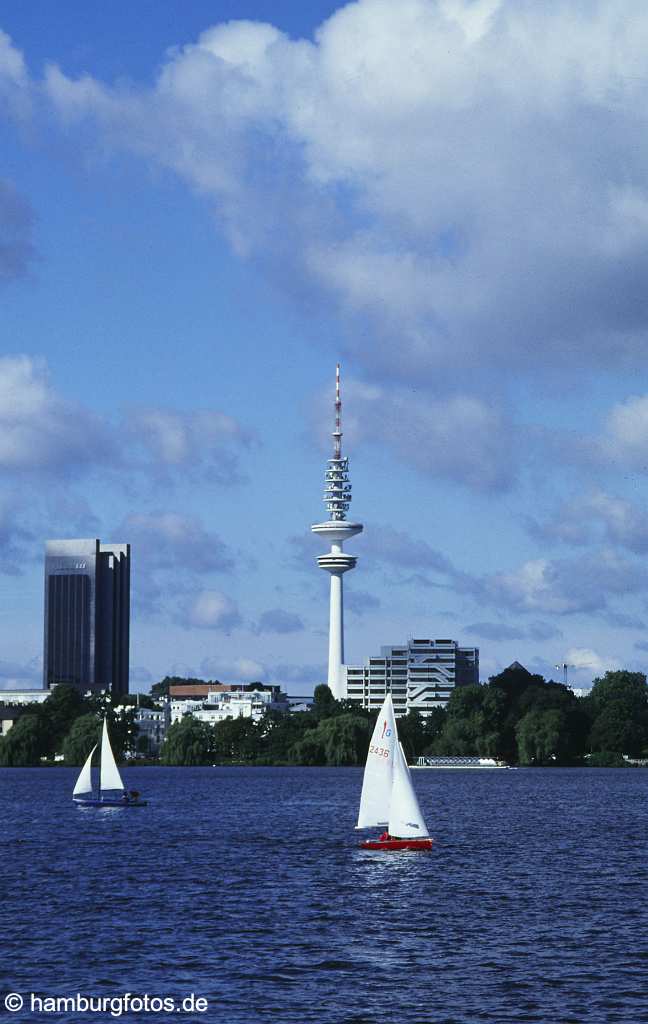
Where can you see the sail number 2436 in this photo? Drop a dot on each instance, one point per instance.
(381, 751)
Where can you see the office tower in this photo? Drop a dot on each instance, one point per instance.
(420, 675)
(87, 615)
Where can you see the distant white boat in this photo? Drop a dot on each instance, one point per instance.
(110, 781)
(388, 796)
(459, 762)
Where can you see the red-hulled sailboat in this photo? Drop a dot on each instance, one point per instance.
(388, 796)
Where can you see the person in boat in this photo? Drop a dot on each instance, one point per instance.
(125, 797)
(134, 794)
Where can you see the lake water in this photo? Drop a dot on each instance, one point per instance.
(246, 887)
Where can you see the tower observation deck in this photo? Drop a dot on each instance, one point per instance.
(336, 530)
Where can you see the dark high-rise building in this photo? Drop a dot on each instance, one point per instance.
(87, 615)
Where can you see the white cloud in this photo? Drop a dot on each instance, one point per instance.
(580, 658)
(171, 541)
(210, 609)
(468, 176)
(596, 517)
(200, 440)
(39, 430)
(245, 670)
(562, 586)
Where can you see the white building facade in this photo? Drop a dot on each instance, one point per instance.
(420, 675)
(218, 706)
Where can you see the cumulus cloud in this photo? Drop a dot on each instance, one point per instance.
(40, 430)
(171, 541)
(562, 586)
(593, 518)
(458, 437)
(389, 546)
(469, 176)
(580, 658)
(278, 620)
(209, 609)
(237, 670)
(203, 441)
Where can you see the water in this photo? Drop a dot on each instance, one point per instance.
(246, 888)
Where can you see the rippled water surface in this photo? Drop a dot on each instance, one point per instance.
(246, 887)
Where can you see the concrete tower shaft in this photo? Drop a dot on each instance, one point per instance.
(337, 529)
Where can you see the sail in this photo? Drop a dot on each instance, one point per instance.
(405, 818)
(377, 782)
(109, 777)
(84, 782)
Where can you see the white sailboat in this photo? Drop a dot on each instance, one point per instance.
(388, 796)
(111, 791)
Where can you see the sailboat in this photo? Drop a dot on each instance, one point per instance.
(111, 792)
(388, 796)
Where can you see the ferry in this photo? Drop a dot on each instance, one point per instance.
(459, 762)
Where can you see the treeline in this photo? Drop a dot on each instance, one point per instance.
(332, 733)
(517, 717)
(69, 724)
(521, 718)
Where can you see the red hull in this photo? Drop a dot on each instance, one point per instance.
(397, 844)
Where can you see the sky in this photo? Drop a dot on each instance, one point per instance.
(204, 207)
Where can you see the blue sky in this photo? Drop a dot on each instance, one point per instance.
(203, 207)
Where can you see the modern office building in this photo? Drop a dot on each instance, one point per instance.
(87, 615)
(337, 499)
(420, 675)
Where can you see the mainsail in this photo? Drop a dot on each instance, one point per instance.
(109, 777)
(84, 782)
(377, 783)
(405, 818)
(388, 797)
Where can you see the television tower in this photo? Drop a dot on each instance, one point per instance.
(337, 499)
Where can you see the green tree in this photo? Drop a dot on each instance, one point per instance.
(543, 737)
(324, 703)
(618, 705)
(85, 732)
(340, 740)
(161, 689)
(188, 742)
(57, 714)
(236, 739)
(22, 746)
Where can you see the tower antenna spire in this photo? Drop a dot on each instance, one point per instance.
(337, 433)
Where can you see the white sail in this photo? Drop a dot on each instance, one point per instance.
(84, 782)
(377, 783)
(405, 818)
(109, 777)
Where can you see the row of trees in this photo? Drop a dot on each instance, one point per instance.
(66, 723)
(332, 733)
(523, 719)
(516, 716)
